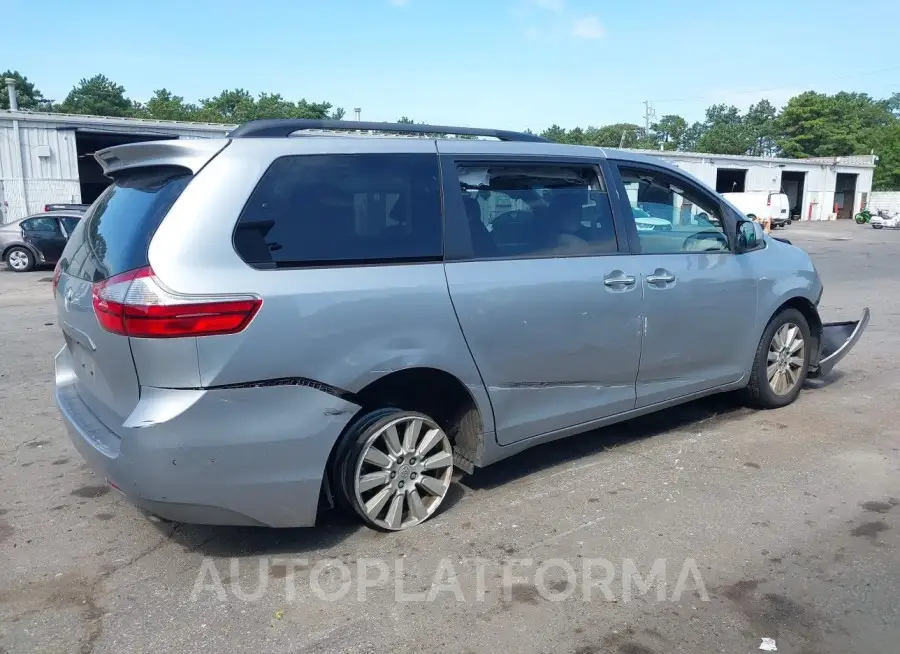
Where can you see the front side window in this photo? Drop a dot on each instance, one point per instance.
(325, 210)
(670, 215)
(70, 223)
(535, 210)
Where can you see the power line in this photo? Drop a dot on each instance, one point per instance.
(778, 88)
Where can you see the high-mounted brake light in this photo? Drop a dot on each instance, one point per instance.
(137, 304)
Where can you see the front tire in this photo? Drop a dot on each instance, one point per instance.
(396, 469)
(20, 259)
(782, 361)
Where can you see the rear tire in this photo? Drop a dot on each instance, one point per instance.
(781, 362)
(395, 469)
(20, 259)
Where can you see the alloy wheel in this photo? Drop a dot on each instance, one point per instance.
(18, 260)
(403, 473)
(786, 358)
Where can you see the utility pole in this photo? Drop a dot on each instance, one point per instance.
(649, 112)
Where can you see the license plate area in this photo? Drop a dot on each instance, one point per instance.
(82, 361)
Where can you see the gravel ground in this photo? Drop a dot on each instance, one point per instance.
(781, 524)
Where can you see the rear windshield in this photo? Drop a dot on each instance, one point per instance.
(114, 235)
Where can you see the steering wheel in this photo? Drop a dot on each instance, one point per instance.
(707, 235)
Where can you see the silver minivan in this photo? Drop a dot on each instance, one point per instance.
(311, 313)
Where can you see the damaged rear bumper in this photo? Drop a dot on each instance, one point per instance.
(837, 339)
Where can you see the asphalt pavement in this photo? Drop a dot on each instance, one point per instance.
(704, 528)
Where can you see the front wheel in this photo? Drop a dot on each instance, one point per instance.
(396, 469)
(877, 226)
(782, 361)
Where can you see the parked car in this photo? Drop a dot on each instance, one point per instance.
(262, 325)
(66, 207)
(647, 223)
(762, 205)
(36, 240)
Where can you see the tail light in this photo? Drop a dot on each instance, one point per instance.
(137, 304)
(56, 272)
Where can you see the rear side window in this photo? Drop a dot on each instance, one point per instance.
(328, 210)
(114, 235)
(42, 224)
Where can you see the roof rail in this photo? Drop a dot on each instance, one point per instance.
(282, 127)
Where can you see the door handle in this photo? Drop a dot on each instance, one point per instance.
(619, 280)
(660, 277)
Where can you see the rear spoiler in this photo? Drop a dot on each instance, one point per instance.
(837, 339)
(192, 154)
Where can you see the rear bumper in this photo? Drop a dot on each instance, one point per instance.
(253, 456)
(837, 339)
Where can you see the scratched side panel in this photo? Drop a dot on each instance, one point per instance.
(345, 327)
(554, 346)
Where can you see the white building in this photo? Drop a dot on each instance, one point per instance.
(818, 188)
(48, 158)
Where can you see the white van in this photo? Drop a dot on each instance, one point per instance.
(762, 205)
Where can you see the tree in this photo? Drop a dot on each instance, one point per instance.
(886, 143)
(166, 106)
(819, 125)
(724, 131)
(625, 135)
(669, 132)
(239, 106)
(893, 104)
(314, 110)
(762, 129)
(690, 140)
(98, 96)
(234, 106)
(554, 133)
(27, 96)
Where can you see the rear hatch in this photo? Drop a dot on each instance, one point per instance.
(112, 239)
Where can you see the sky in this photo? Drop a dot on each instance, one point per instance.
(510, 64)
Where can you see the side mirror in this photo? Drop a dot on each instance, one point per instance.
(750, 236)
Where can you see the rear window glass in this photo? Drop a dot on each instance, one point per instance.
(316, 210)
(114, 235)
